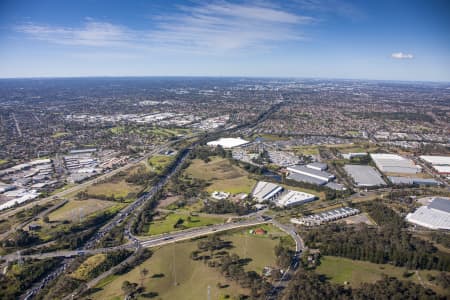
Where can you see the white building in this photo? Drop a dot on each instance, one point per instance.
(228, 143)
(435, 215)
(292, 198)
(307, 171)
(266, 191)
(393, 163)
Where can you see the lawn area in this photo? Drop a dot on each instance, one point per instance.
(340, 270)
(183, 278)
(73, 209)
(159, 162)
(167, 224)
(3, 161)
(306, 150)
(260, 248)
(87, 266)
(357, 147)
(222, 175)
(116, 188)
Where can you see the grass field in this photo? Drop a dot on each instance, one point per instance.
(87, 266)
(306, 150)
(167, 224)
(73, 209)
(341, 270)
(222, 175)
(358, 147)
(184, 278)
(159, 162)
(115, 188)
(3, 161)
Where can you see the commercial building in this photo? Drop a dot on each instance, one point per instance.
(393, 163)
(435, 215)
(412, 181)
(311, 172)
(440, 163)
(328, 216)
(266, 191)
(317, 166)
(228, 143)
(292, 198)
(364, 176)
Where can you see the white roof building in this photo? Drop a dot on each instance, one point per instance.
(228, 142)
(393, 163)
(266, 191)
(435, 215)
(436, 160)
(292, 198)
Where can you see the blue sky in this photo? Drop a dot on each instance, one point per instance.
(387, 40)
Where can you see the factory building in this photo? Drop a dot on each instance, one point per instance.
(328, 216)
(311, 172)
(393, 163)
(435, 215)
(412, 181)
(364, 176)
(441, 164)
(266, 191)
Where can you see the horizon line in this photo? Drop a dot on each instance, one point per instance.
(220, 76)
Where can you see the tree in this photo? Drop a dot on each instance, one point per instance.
(144, 273)
(128, 287)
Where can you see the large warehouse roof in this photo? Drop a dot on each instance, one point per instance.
(266, 190)
(435, 215)
(364, 175)
(304, 170)
(393, 163)
(228, 142)
(436, 160)
(292, 198)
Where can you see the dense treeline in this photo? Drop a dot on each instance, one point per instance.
(225, 207)
(389, 243)
(21, 277)
(112, 259)
(307, 285)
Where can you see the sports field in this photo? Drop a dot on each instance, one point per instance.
(222, 175)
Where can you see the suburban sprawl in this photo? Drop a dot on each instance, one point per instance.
(224, 188)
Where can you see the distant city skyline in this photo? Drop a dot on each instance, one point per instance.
(380, 40)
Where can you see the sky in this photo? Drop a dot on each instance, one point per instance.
(373, 39)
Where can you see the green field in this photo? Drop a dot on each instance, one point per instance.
(306, 150)
(159, 162)
(184, 278)
(115, 188)
(167, 224)
(3, 161)
(74, 209)
(355, 272)
(222, 175)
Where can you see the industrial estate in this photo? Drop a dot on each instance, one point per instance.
(224, 189)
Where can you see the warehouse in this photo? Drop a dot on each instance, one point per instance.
(228, 143)
(412, 181)
(440, 163)
(435, 215)
(364, 176)
(393, 163)
(311, 172)
(292, 198)
(303, 178)
(266, 191)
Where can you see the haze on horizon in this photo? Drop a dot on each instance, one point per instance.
(383, 40)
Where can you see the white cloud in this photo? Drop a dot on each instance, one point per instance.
(207, 28)
(401, 55)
